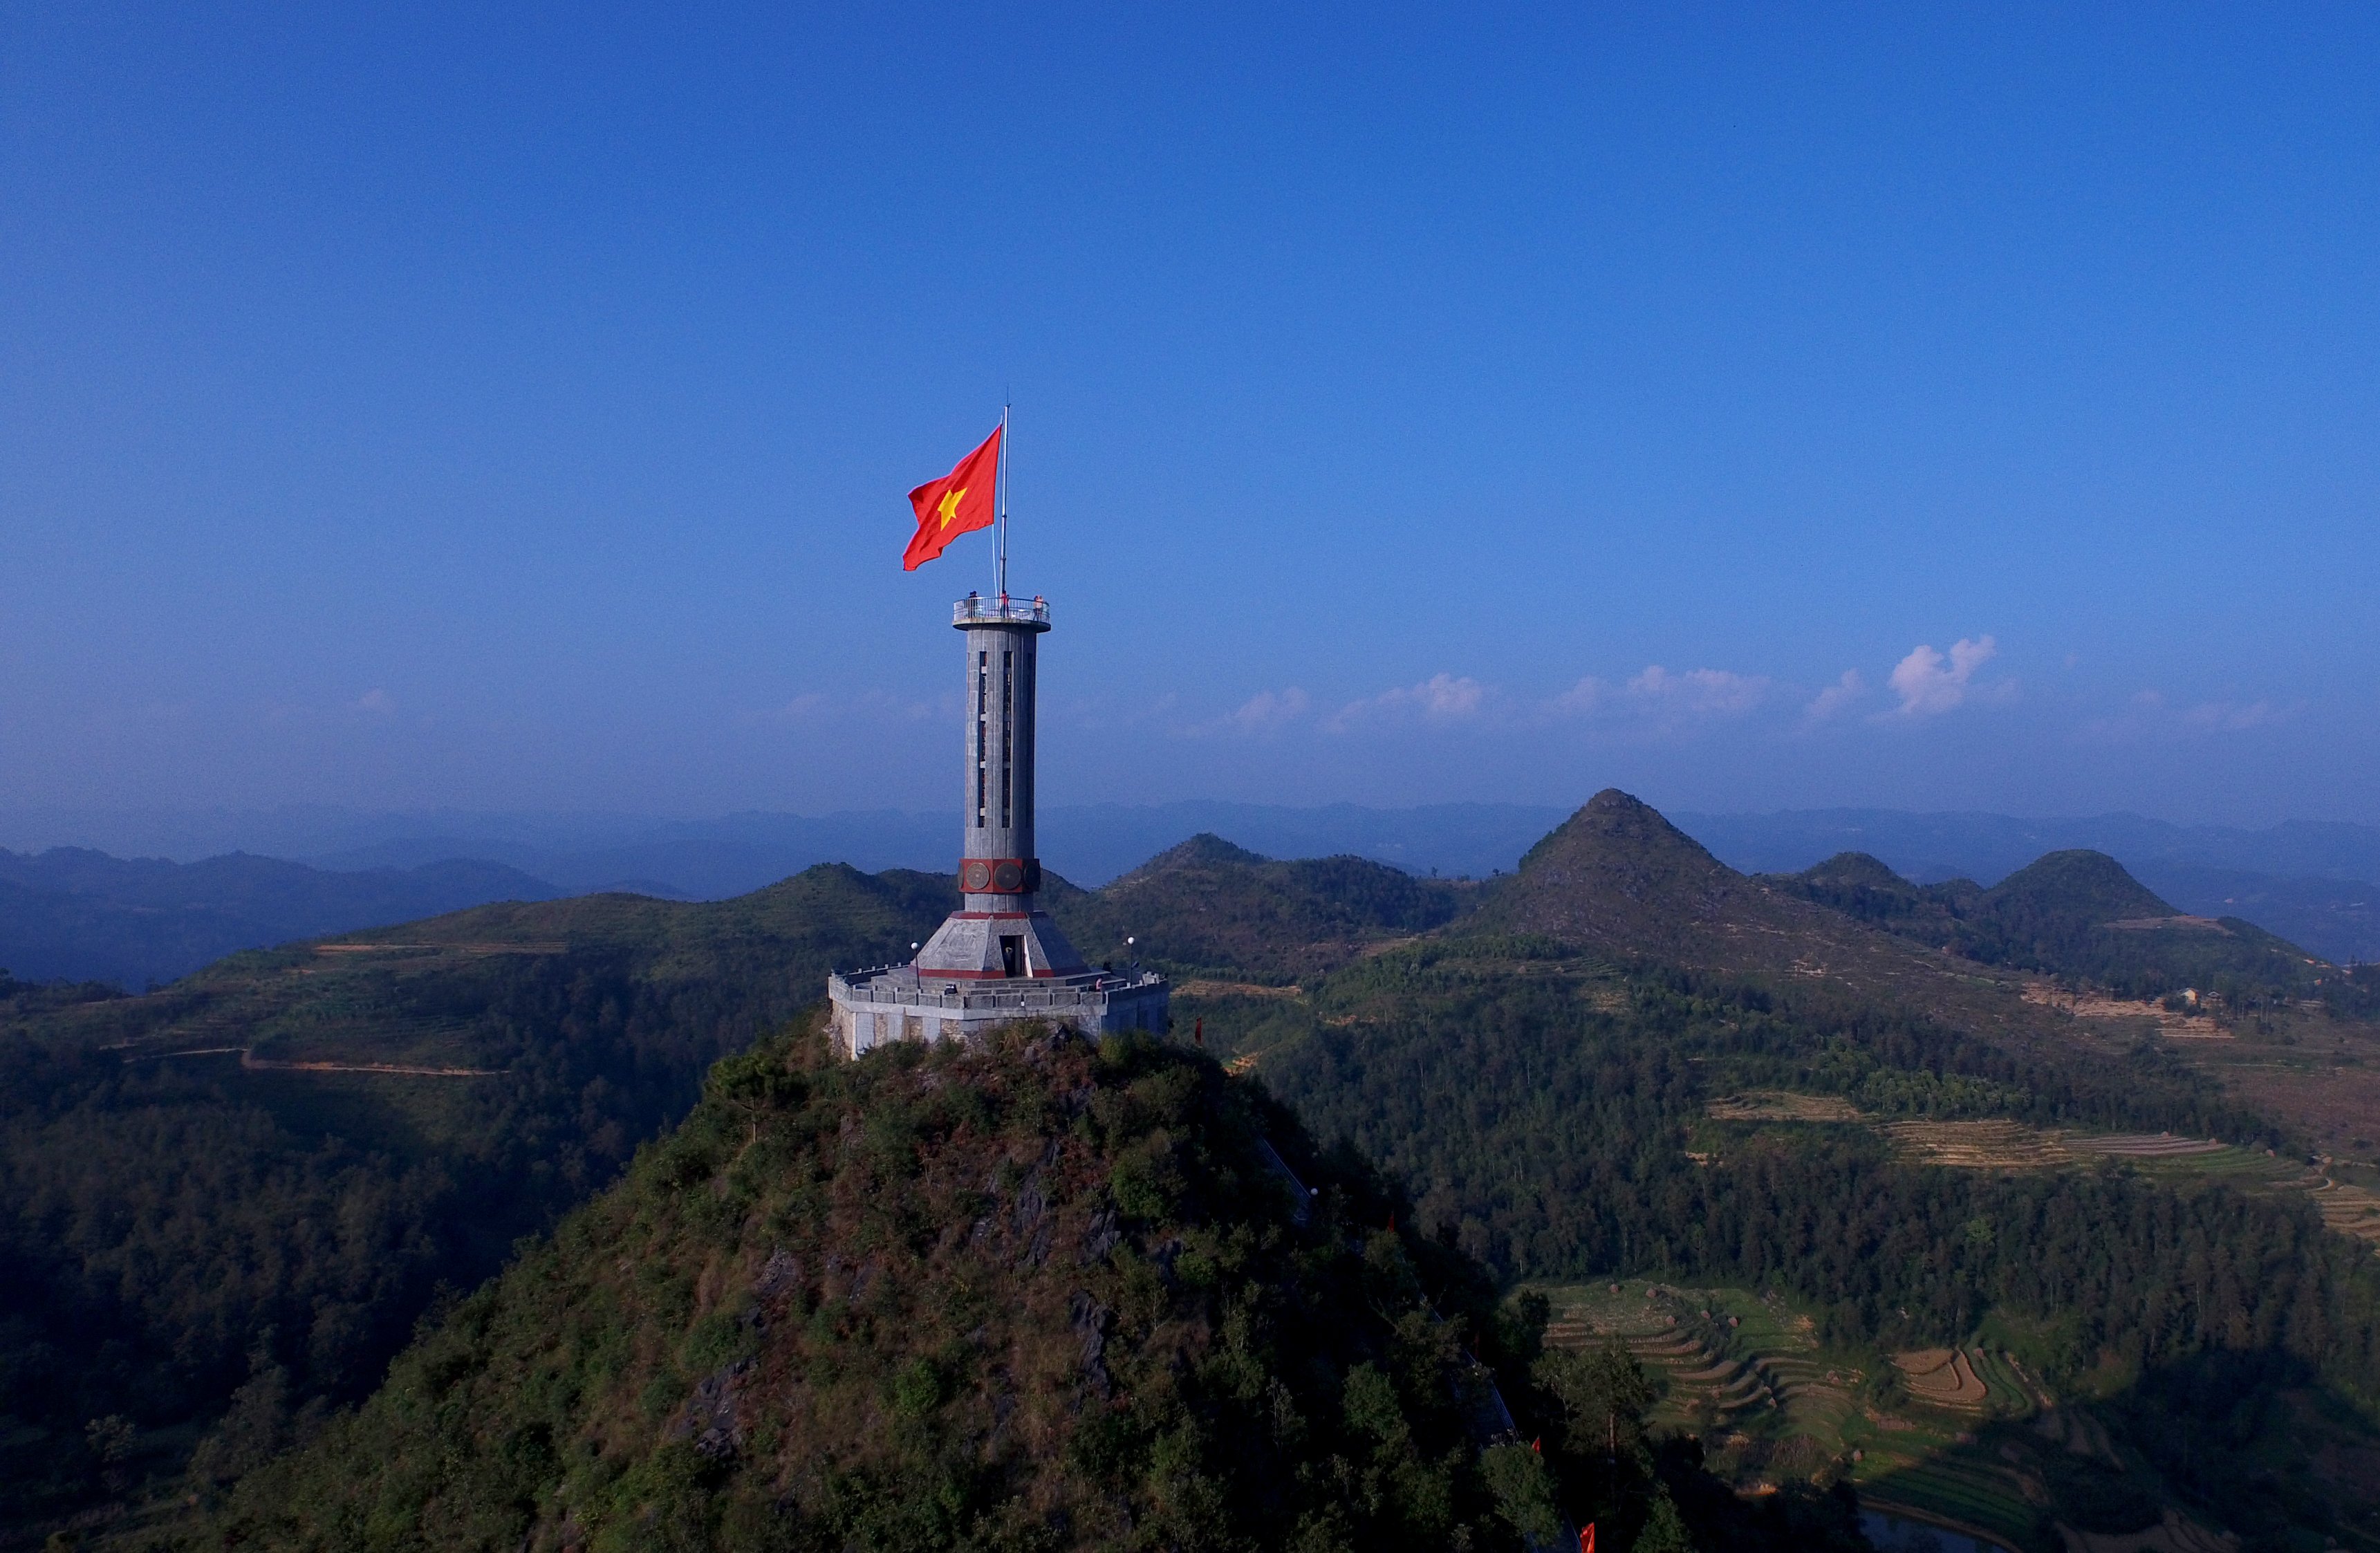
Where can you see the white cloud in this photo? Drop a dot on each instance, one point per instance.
(1270, 711)
(1660, 698)
(1717, 692)
(1831, 701)
(1260, 714)
(1929, 684)
(1439, 698)
(868, 706)
(376, 701)
(2148, 717)
(1580, 698)
(804, 707)
(2229, 717)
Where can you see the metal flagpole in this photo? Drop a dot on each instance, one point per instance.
(1001, 591)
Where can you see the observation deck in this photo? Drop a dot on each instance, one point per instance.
(900, 1002)
(1000, 609)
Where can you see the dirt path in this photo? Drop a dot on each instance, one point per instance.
(250, 1061)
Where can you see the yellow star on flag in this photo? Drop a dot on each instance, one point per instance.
(950, 507)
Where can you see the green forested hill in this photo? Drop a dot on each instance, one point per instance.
(1026, 1296)
(1207, 907)
(1032, 1295)
(1861, 886)
(2075, 914)
(1618, 881)
(223, 1184)
(2080, 914)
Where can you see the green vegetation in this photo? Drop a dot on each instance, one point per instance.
(2076, 914)
(1208, 908)
(1538, 1113)
(230, 1201)
(1968, 1434)
(1539, 1110)
(175, 1229)
(1030, 1295)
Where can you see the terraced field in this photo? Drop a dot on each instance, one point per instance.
(2350, 1211)
(1925, 1436)
(1781, 1105)
(1716, 1370)
(2000, 1144)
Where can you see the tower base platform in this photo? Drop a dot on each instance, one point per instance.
(893, 1002)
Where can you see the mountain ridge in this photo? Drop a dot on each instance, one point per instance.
(75, 913)
(2075, 912)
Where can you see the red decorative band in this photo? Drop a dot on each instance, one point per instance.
(1000, 876)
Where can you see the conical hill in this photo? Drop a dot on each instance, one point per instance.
(1208, 908)
(1861, 886)
(1031, 1294)
(2073, 889)
(2080, 913)
(1618, 880)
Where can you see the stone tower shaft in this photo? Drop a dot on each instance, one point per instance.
(997, 934)
(999, 869)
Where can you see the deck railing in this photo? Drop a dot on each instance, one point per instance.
(1000, 610)
(861, 985)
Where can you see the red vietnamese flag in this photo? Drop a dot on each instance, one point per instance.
(957, 503)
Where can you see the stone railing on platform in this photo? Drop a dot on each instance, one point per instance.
(1000, 610)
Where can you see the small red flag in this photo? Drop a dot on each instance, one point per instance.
(959, 503)
(1587, 1539)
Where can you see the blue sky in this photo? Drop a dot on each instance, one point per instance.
(1754, 408)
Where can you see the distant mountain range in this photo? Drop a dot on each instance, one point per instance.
(77, 913)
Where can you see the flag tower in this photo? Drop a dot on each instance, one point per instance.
(999, 958)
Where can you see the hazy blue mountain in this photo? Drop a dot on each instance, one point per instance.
(77, 914)
(2338, 918)
(1089, 844)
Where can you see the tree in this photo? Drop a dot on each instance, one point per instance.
(1604, 1397)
